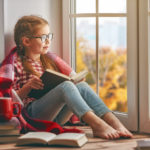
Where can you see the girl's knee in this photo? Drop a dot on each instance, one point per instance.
(82, 84)
(68, 85)
(63, 87)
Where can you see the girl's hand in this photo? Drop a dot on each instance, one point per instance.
(35, 83)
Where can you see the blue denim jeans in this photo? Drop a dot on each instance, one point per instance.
(67, 98)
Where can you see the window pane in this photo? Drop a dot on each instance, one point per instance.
(112, 6)
(113, 63)
(85, 6)
(85, 48)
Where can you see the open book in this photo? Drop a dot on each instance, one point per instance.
(47, 138)
(52, 78)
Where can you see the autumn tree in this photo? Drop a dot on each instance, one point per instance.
(112, 73)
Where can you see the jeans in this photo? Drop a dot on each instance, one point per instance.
(67, 98)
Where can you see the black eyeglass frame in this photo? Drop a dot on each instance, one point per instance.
(44, 37)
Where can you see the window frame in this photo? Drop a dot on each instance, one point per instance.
(132, 53)
(144, 67)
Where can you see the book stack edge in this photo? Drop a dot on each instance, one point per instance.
(9, 131)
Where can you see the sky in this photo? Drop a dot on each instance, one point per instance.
(113, 6)
(105, 6)
(113, 29)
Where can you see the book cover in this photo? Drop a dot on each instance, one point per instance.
(52, 78)
(8, 139)
(143, 144)
(47, 138)
(9, 132)
(11, 124)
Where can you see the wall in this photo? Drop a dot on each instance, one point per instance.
(1, 30)
(14, 9)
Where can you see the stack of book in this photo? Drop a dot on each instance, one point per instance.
(9, 131)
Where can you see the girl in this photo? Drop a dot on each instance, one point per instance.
(33, 37)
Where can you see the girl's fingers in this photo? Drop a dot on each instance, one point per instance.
(36, 87)
(36, 83)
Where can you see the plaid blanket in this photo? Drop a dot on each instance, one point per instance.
(27, 123)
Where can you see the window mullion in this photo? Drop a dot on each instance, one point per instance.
(98, 15)
(97, 46)
(73, 34)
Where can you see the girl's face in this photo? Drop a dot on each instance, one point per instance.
(37, 45)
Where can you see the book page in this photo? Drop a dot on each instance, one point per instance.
(79, 76)
(9, 132)
(69, 136)
(35, 137)
(143, 143)
(69, 139)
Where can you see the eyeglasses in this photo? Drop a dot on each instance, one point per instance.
(44, 37)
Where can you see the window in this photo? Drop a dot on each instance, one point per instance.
(103, 38)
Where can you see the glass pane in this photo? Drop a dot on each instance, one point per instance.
(85, 48)
(112, 6)
(113, 62)
(85, 6)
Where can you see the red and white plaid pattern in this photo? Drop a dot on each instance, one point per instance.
(6, 79)
(21, 76)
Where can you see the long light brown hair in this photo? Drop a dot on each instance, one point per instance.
(28, 26)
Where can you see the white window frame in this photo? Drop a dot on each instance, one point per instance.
(144, 66)
(130, 120)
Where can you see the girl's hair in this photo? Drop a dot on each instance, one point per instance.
(28, 26)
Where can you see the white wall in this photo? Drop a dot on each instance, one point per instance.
(14, 9)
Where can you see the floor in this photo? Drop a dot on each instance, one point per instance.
(93, 144)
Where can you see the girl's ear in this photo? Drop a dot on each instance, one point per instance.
(25, 41)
